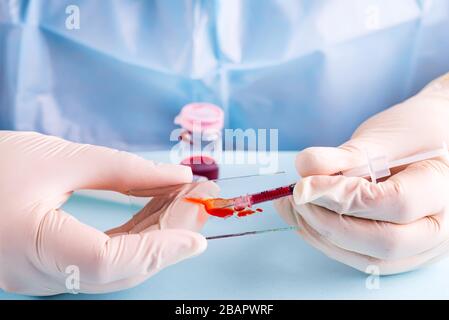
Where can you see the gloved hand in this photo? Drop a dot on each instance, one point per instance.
(40, 244)
(396, 225)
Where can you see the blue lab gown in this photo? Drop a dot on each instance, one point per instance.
(312, 69)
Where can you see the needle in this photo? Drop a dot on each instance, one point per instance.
(231, 235)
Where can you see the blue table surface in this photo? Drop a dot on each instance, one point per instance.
(268, 266)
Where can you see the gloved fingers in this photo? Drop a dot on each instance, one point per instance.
(172, 190)
(374, 138)
(287, 210)
(63, 241)
(139, 256)
(353, 259)
(328, 160)
(150, 213)
(366, 263)
(172, 211)
(72, 166)
(378, 239)
(440, 86)
(81, 166)
(180, 213)
(419, 190)
(103, 168)
(319, 242)
(292, 214)
(163, 255)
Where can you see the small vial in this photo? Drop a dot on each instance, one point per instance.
(201, 138)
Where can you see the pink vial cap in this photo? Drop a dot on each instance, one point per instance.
(208, 115)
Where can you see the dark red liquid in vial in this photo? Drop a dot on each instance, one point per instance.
(202, 166)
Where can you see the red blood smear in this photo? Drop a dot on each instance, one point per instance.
(246, 212)
(217, 212)
(222, 212)
(202, 166)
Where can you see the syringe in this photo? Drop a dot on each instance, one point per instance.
(247, 201)
(375, 169)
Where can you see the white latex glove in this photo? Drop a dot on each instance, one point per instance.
(39, 242)
(396, 225)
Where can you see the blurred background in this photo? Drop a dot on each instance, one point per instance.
(116, 73)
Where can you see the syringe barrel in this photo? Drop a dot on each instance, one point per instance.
(273, 194)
